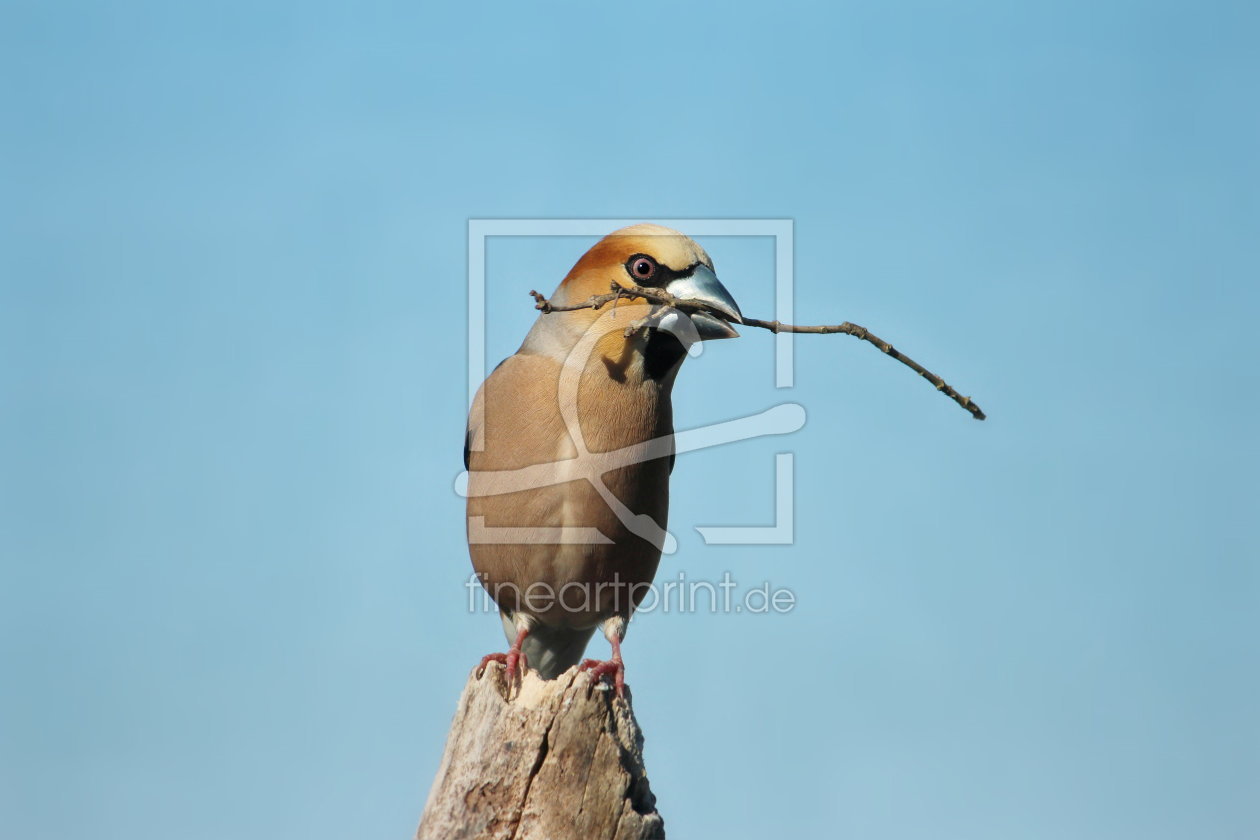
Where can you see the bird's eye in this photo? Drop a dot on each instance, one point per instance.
(642, 268)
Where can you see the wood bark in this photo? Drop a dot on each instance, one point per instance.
(554, 760)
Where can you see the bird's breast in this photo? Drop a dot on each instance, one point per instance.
(568, 493)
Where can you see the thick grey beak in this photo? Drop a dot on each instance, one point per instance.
(702, 285)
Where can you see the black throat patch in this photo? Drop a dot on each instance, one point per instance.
(663, 353)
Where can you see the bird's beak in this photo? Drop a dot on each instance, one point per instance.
(703, 286)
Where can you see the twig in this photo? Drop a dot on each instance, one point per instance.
(594, 302)
(866, 335)
(666, 299)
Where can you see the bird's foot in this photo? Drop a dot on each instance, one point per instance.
(600, 669)
(511, 659)
(514, 657)
(501, 658)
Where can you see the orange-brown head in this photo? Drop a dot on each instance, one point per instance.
(648, 256)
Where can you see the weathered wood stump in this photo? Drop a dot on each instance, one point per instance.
(560, 760)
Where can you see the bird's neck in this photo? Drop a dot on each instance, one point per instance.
(646, 356)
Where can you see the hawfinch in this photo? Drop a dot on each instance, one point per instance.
(570, 447)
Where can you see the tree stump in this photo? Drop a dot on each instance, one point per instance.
(560, 760)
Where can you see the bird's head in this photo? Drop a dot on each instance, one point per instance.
(649, 257)
(653, 257)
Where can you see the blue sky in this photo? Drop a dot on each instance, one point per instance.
(232, 396)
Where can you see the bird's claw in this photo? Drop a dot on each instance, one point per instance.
(600, 669)
(501, 658)
(510, 660)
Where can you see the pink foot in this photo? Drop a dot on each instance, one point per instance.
(513, 657)
(599, 670)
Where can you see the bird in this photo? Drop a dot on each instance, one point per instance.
(569, 450)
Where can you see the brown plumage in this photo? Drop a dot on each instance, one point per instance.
(563, 538)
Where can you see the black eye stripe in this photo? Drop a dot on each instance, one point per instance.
(661, 277)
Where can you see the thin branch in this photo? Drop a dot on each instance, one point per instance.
(666, 299)
(594, 302)
(866, 335)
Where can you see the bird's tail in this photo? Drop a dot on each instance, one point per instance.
(553, 650)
